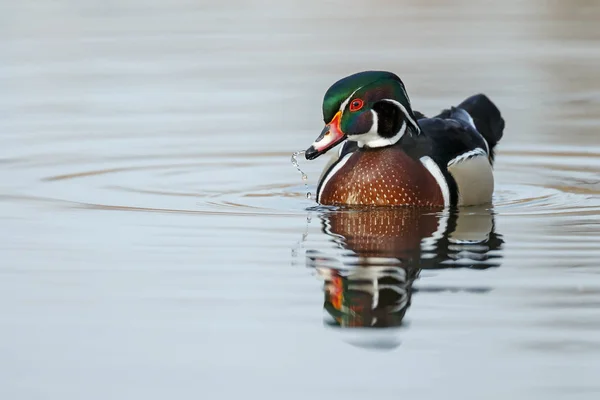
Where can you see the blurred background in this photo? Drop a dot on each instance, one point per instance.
(155, 239)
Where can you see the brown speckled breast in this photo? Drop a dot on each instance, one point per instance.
(382, 177)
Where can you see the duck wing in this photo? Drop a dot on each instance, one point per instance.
(456, 154)
(483, 115)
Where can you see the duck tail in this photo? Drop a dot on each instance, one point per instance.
(487, 118)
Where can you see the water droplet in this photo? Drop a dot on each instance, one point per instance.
(304, 176)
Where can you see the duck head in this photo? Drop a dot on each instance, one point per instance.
(370, 108)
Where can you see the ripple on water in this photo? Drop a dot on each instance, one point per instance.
(556, 181)
(265, 183)
(535, 200)
(232, 184)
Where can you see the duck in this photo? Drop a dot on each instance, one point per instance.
(390, 155)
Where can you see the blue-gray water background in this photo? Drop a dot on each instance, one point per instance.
(153, 233)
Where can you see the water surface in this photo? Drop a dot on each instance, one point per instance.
(156, 241)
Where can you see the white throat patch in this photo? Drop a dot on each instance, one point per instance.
(372, 139)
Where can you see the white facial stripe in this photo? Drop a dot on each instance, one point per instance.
(405, 94)
(372, 138)
(331, 173)
(375, 124)
(433, 168)
(345, 102)
(406, 114)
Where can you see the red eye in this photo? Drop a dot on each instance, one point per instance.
(356, 104)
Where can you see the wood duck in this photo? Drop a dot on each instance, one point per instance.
(394, 156)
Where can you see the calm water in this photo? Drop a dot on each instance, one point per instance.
(156, 242)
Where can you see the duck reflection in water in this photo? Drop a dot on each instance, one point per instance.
(383, 251)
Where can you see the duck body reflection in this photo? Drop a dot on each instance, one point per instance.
(384, 250)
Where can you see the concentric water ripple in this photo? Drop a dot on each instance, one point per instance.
(266, 184)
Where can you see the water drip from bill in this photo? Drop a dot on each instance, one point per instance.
(304, 177)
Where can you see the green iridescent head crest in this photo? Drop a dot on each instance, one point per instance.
(370, 108)
(368, 87)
